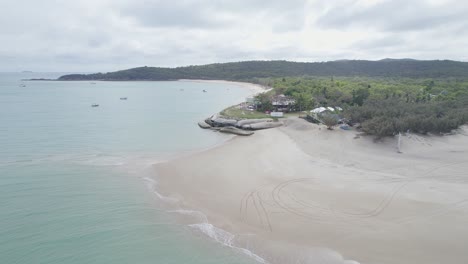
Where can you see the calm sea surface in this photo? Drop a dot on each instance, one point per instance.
(73, 178)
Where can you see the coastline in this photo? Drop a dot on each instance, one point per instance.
(303, 193)
(254, 88)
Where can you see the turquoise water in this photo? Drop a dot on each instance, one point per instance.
(72, 177)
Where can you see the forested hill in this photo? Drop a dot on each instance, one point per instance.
(261, 69)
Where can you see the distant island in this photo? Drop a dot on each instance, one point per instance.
(251, 70)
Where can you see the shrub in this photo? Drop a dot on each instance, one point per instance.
(390, 116)
(330, 120)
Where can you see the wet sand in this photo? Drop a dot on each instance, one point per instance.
(302, 193)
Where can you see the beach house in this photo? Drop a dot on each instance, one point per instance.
(283, 103)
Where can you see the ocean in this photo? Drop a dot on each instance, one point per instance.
(76, 181)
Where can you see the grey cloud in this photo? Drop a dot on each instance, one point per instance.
(394, 15)
(380, 43)
(188, 14)
(98, 40)
(202, 14)
(282, 16)
(289, 21)
(106, 35)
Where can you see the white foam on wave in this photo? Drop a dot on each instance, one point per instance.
(16, 162)
(217, 234)
(36, 160)
(81, 159)
(225, 238)
(102, 160)
(151, 184)
(230, 240)
(133, 162)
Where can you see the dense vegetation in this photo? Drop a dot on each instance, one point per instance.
(250, 70)
(383, 106)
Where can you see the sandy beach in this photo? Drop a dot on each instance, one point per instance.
(302, 193)
(254, 88)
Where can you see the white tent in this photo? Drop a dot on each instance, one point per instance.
(318, 110)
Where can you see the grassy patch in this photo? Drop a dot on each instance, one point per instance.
(238, 113)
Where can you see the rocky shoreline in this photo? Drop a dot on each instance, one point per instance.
(242, 127)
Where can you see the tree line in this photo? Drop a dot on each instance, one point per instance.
(381, 106)
(250, 70)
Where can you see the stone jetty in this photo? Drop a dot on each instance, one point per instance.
(242, 127)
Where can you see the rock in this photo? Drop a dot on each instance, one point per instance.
(224, 122)
(209, 122)
(203, 125)
(262, 125)
(236, 131)
(252, 121)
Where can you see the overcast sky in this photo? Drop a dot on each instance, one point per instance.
(107, 35)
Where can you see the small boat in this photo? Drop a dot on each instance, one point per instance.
(204, 91)
(94, 105)
(22, 85)
(123, 98)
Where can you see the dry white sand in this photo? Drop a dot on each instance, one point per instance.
(300, 193)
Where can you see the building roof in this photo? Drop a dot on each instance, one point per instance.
(282, 100)
(318, 110)
(321, 109)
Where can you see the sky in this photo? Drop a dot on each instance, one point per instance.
(109, 35)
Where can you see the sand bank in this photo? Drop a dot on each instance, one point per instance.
(254, 88)
(301, 193)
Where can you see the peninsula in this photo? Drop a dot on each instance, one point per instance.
(308, 193)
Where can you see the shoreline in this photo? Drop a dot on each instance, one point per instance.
(212, 232)
(255, 88)
(349, 178)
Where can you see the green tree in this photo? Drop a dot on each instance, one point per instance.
(263, 102)
(304, 100)
(330, 120)
(360, 95)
